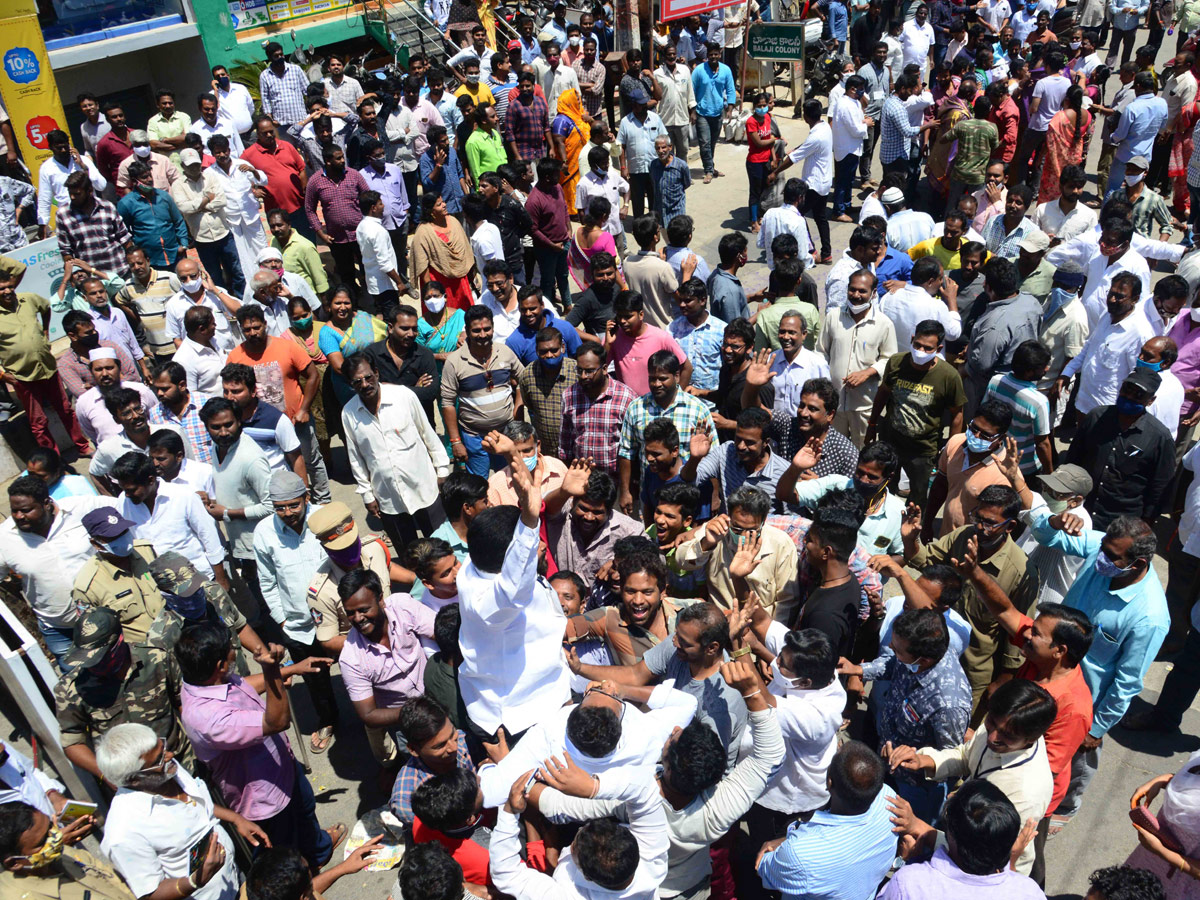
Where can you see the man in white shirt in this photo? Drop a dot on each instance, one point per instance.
(197, 291)
(513, 669)
(1112, 256)
(865, 250)
(603, 181)
(198, 353)
(45, 545)
(849, 130)
(380, 268)
(1170, 295)
(916, 40)
(917, 301)
(1063, 491)
(906, 227)
(26, 783)
(233, 100)
(397, 459)
(52, 177)
(677, 105)
(210, 123)
(554, 76)
(783, 219)
(1112, 348)
(341, 91)
(1066, 217)
(1159, 354)
(169, 516)
(793, 364)
(486, 241)
(815, 156)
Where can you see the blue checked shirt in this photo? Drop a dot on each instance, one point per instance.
(1003, 243)
(702, 345)
(283, 96)
(896, 133)
(413, 774)
(686, 413)
(193, 428)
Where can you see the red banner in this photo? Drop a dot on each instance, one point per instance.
(678, 9)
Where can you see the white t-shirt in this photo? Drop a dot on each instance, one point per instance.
(1051, 89)
(486, 244)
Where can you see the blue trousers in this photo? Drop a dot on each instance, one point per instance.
(220, 260)
(296, 824)
(479, 460)
(843, 183)
(61, 642)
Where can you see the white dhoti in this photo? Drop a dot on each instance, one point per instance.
(249, 238)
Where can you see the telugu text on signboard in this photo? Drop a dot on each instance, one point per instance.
(777, 40)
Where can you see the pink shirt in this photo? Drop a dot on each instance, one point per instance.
(389, 674)
(1186, 335)
(255, 772)
(629, 356)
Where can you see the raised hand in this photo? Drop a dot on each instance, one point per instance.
(700, 443)
(575, 481)
(500, 445)
(1068, 522)
(714, 531)
(809, 454)
(910, 523)
(746, 559)
(1010, 464)
(970, 558)
(885, 565)
(740, 675)
(760, 373)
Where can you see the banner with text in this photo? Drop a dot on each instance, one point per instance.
(679, 9)
(27, 84)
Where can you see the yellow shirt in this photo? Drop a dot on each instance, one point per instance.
(480, 93)
(934, 247)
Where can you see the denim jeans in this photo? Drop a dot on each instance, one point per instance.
(552, 264)
(60, 641)
(1083, 769)
(756, 175)
(220, 260)
(296, 824)
(480, 461)
(708, 129)
(843, 183)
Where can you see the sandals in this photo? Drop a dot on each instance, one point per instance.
(321, 739)
(337, 833)
(1057, 824)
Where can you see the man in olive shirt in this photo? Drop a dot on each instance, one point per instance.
(118, 576)
(26, 362)
(990, 654)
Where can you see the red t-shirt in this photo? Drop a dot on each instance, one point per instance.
(1072, 723)
(276, 372)
(471, 856)
(764, 133)
(284, 169)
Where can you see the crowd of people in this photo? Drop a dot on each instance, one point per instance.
(664, 588)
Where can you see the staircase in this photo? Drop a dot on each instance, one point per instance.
(403, 28)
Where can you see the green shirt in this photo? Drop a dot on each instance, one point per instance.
(24, 350)
(300, 257)
(920, 399)
(485, 153)
(766, 326)
(977, 138)
(160, 129)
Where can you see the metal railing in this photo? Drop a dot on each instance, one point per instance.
(405, 24)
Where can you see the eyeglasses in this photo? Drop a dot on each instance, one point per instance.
(975, 429)
(985, 525)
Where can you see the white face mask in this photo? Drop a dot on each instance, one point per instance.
(921, 357)
(1075, 45)
(192, 285)
(1056, 506)
(141, 152)
(1134, 179)
(435, 304)
(575, 42)
(860, 308)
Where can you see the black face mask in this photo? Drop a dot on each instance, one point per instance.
(91, 342)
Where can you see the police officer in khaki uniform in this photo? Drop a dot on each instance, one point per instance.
(190, 599)
(333, 524)
(118, 576)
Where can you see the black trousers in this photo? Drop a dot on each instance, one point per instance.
(817, 206)
(319, 684)
(399, 237)
(401, 528)
(347, 259)
(641, 191)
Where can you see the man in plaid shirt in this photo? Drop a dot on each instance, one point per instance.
(177, 406)
(593, 410)
(897, 136)
(435, 746)
(90, 229)
(282, 85)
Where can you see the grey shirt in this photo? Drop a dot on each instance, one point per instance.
(1001, 327)
(879, 85)
(726, 297)
(718, 705)
(242, 480)
(724, 465)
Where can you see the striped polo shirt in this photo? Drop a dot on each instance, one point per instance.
(1031, 415)
(483, 392)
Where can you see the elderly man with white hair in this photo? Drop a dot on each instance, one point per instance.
(163, 820)
(196, 289)
(163, 172)
(271, 287)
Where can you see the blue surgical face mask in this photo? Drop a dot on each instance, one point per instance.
(976, 444)
(1106, 568)
(1127, 407)
(190, 607)
(761, 110)
(552, 362)
(1059, 297)
(1153, 367)
(121, 546)
(531, 462)
(914, 667)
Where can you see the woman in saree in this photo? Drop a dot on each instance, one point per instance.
(305, 330)
(589, 238)
(569, 131)
(1064, 145)
(440, 251)
(1181, 153)
(950, 110)
(348, 331)
(439, 328)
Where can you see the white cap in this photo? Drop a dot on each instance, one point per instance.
(102, 353)
(267, 253)
(189, 157)
(892, 195)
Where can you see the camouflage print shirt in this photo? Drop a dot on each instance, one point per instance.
(87, 706)
(220, 610)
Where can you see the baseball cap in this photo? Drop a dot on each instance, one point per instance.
(105, 523)
(1068, 479)
(189, 157)
(1144, 380)
(1035, 242)
(637, 95)
(96, 633)
(1138, 162)
(334, 526)
(174, 573)
(514, 44)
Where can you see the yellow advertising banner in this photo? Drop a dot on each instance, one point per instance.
(27, 82)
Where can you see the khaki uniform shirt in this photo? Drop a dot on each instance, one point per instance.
(87, 707)
(24, 351)
(132, 596)
(989, 652)
(77, 876)
(328, 614)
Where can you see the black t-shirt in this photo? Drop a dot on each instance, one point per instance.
(834, 612)
(591, 311)
(513, 222)
(729, 397)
